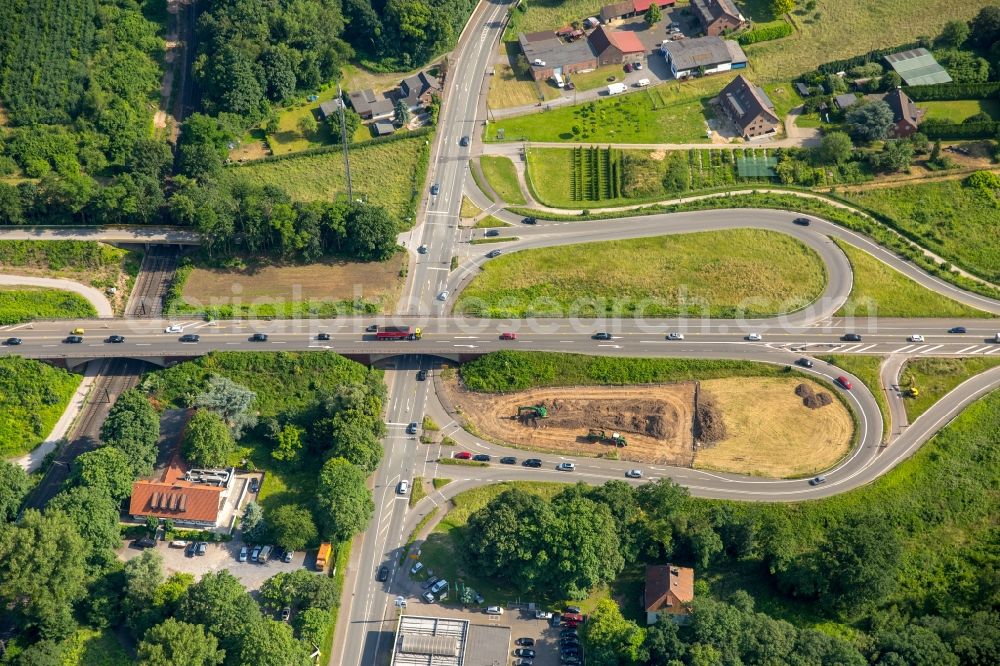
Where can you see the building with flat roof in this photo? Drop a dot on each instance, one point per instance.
(440, 641)
(548, 55)
(917, 67)
(702, 55)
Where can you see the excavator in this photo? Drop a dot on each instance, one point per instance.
(532, 412)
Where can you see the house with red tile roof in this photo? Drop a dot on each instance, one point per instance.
(615, 46)
(189, 497)
(670, 590)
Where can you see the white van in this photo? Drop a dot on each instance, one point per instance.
(494, 610)
(558, 79)
(404, 486)
(642, 83)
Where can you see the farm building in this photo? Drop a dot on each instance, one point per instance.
(549, 55)
(620, 11)
(917, 67)
(371, 106)
(749, 107)
(718, 16)
(702, 55)
(615, 47)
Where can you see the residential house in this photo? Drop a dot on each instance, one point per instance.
(619, 11)
(718, 16)
(615, 47)
(749, 107)
(702, 55)
(190, 498)
(418, 89)
(906, 116)
(383, 128)
(330, 108)
(548, 55)
(669, 590)
(371, 106)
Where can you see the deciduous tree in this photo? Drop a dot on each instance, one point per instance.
(107, 469)
(869, 121)
(292, 526)
(13, 487)
(207, 441)
(172, 643)
(133, 426)
(344, 504)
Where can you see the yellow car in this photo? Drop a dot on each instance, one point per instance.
(77, 331)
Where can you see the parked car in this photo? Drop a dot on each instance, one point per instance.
(634, 474)
(954, 329)
(254, 485)
(438, 586)
(463, 455)
(804, 362)
(801, 221)
(115, 339)
(258, 337)
(850, 337)
(383, 574)
(287, 557)
(411, 429)
(12, 341)
(189, 551)
(532, 462)
(566, 467)
(255, 554)
(815, 481)
(323, 336)
(628, 68)
(524, 662)
(493, 254)
(844, 381)
(435, 189)
(568, 633)
(524, 652)
(286, 613)
(202, 548)
(675, 336)
(573, 609)
(529, 220)
(189, 337)
(555, 620)
(421, 375)
(754, 337)
(494, 610)
(508, 460)
(603, 335)
(429, 583)
(525, 642)
(637, 65)
(492, 233)
(482, 457)
(416, 568)
(508, 336)
(144, 542)
(915, 338)
(244, 553)
(428, 597)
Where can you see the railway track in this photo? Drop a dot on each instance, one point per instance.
(158, 266)
(118, 376)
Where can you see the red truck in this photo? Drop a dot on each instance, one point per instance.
(397, 333)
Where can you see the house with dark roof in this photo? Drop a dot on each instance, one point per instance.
(749, 107)
(383, 128)
(418, 89)
(702, 55)
(614, 47)
(844, 100)
(718, 16)
(330, 108)
(620, 11)
(669, 590)
(371, 106)
(906, 117)
(549, 55)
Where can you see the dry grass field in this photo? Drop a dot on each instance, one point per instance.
(771, 433)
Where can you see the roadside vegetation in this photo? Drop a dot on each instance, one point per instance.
(20, 304)
(718, 274)
(881, 291)
(865, 368)
(936, 377)
(33, 395)
(501, 175)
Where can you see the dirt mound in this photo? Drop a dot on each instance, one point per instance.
(811, 398)
(803, 390)
(709, 426)
(653, 418)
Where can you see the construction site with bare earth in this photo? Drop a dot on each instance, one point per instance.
(763, 426)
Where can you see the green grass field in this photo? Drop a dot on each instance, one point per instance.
(720, 274)
(33, 395)
(934, 377)
(501, 175)
(885, 292)
(19, 304)
(956, 111)
(949, 218)
(672, 113)
(389, 174)
(866, 369)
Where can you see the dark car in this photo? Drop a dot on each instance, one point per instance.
(323, 336)
(191, 547)
(532, 462)
(529, 220)
(254, 484)
(287, 557)
(569, 641)
(524, 652)
(956, 329)
(482, 457)
(383, 574)
(493, 254)
(144, 542)
(74, 339)
(429, 583)
(573, 609)
(371, 328)
(258, 337)
(628, 68)
(464, 141)
(850, 337)
(569, 651)
(412, 428)
(12, 341)
(525, 642)
(556, 619)
(492, 233)
(603, 335)
(815, 481)
(421, 375)
(508, 460)
(804, 362)
(801, 221)
(189, 337)
(568, 633)
(115, 338)
(435, 188)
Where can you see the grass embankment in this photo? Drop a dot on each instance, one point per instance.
(469, 209)
(19, 304)
(502, 176)
(673, 113)
(717, 274)
(881, 291)
(490, 222)
(33, 395)
(953, 220)
(418, 492)
(865, 368)
(935, 377)
(392, 173)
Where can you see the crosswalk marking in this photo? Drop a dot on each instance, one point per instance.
(928, 351)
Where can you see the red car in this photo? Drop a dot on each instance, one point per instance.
(628, 68)
(508, 336)
(463, 455)
(842, 380)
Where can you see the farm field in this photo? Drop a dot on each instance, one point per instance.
(19, 304)
(771, 432)
(956, 111)
(954, 220)
(393, 172)
(502, 176)
(709, 273)
(934, 377)
(33, 396)
(882, 291)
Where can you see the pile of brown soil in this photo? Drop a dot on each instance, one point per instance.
(709, 426)
(812, 399)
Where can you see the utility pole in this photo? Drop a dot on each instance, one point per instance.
(343, 141)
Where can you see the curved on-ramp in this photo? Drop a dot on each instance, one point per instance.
(94, 296)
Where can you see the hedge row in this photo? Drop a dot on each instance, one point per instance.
(953, 90)
(398, 136)
(961, 130)
(765, 33)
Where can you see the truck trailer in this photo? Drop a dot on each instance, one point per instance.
(397, 333)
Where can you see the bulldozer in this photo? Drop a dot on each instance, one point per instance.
(532, 412)
(602, 437)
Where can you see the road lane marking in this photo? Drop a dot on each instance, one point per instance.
(928, 351)
(866, 348)
(962, 351)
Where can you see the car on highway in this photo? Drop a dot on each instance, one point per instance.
(754, 337)
(77, 331)
(258, 337)
(492, 233)
(493, 254)
(115, 339)
(850, 337)
(508, 335)
(12, 341)
(411, 429)
(443, 296)
(525, 642)
(566, 467)
(286, 613)
(189, 337)
(435, 188)
(804, 362)
(508, 460)
(482, 457)
(244, 553)
(464, 141)
(371, 328)
(421, 375)
(957, 329)
(815, 481)
(675, 336)
(915, 338)
(845, 382)
(603, 335)
(173, 328)
(74, 339)
(801, 221)
(403, 487)
(532, 462)
(634, 474)
(524, 652)
(463, 455)
(422, 249)
(529, 220)
(323, 336)
(383, 574)
(429, 583)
